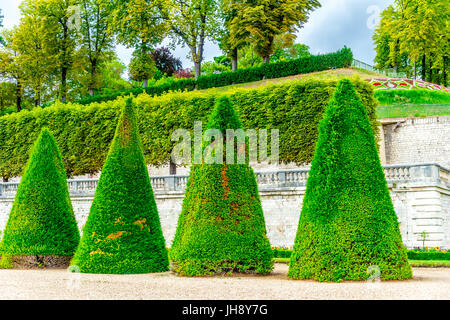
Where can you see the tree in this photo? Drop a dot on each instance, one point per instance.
(97, 43)
(7, 95)
(221, 227)
(191, 22)
(137, 24)
(28, 41)
(165, 61)
(42, 224)
(142, 66)
(348, 222)
(123, 232)
(60, 21)
(10, 67)
(414, 34)
(260, 21)
(2, 42)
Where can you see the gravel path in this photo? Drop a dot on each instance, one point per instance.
(428, 283)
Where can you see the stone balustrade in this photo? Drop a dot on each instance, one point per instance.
(420, 194)
(395, 174)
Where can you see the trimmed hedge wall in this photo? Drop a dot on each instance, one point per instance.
(428, 255)
(340, 59)
(412, 254)
(84, 133)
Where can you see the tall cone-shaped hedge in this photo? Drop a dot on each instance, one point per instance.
(42, 222)
(348, 227)
(123, 232)
(221, 227)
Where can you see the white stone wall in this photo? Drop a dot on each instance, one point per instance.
(416, 140)
(418, 209)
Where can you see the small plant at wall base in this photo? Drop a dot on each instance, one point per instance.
(41, 229)
(123, 231)
(221, 228)
(348, 223)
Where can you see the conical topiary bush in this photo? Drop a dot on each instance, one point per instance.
(347, 224)
(123, 232)
(41, 230)
(221, 227)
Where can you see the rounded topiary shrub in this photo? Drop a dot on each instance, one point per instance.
(348, 227)
(221, 227)
(41, 230)
(123, 232)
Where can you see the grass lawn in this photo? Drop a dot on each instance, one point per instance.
(414, 263)
(398, 111)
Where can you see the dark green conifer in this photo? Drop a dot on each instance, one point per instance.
(123, 232)
(347, 224)
(221, 227)
(41, 223)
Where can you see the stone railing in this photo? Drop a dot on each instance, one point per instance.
(395, 175)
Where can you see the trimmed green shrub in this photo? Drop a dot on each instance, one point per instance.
(42, 221)
(123, 232)
(84, 133)
(348, 222)
(162, 86)
(221, 227)
(428, 255)
(340, 59)
(405, 97)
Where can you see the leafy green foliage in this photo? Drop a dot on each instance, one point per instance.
(395, 97)
(428, 255)
(123, 232)
(142, 66)
(221, 227)
(340, 59)
(42, 221)
(84, 133)
(348, 222)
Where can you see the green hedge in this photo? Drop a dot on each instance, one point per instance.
(402, 97)
(161, 87)
(340, 59)
(412, 254)
(428, 255)
(84, 133)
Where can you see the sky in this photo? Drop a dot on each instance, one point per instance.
(335, 24)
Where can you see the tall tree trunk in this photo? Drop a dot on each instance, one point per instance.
(444, 70)
(415, 69)
(64, 84)
(18, 95)
(266, 59)
(145, 83)
(234, 59)
(93, 73)
(197, 69)
(424, 67)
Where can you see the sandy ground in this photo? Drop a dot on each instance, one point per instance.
(427, 283)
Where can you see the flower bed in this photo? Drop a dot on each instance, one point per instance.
(405, 84)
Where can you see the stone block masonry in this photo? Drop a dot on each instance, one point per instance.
(415, 140)
(420, 194)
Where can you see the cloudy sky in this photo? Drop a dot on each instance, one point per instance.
(335, 24)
